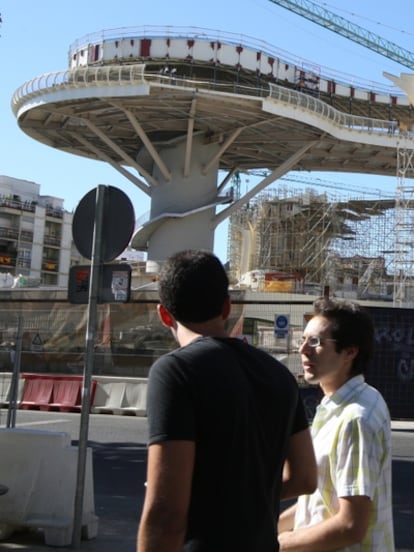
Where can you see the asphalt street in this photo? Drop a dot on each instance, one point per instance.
(119, 465)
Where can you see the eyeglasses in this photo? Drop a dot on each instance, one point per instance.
(313, 341)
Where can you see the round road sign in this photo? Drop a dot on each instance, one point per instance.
(117, 226)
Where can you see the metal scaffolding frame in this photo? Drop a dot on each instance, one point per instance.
(404, 229)
(316, 239)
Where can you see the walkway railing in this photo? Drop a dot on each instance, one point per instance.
(326, 111)
(126, 75)
(107, 75)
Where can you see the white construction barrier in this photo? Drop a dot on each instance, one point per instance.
(5, 383)
(39, 469)
(5, 389)
(120, 396)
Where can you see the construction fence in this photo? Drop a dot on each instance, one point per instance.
(129, 337)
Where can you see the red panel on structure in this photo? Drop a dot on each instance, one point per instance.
(190, 43)
(96, 53)
(145, 47)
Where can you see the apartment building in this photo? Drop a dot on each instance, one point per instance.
(36, 246)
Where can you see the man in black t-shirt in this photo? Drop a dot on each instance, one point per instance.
(228, 435)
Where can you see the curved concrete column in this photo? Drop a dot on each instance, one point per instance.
(182, 209)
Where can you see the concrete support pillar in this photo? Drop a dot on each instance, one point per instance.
(185, 205)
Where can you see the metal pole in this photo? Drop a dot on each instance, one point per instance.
(11, 414)
(94, 285)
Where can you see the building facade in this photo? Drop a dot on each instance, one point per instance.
(36, 245)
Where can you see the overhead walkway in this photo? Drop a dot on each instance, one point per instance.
(170, 108)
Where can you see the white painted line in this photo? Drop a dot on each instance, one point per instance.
(24, 424)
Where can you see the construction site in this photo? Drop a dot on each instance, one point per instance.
(307, 236)
(187, 115)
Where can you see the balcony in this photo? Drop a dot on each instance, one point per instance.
(17, 203)
(54, 212)
(9, 233)
(23, 262)
(7, 260)
(26, 236)
(50, 265)
(52, 239)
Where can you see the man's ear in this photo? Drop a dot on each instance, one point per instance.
(165, 316)
(351, 352)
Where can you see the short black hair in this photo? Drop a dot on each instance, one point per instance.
(193, 285)
(351, 325)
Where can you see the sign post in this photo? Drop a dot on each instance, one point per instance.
(100, 243)
(11, 413)
(96, 264)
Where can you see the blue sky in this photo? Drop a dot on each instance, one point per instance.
(35, 38)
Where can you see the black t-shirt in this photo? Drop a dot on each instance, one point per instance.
(240, 406)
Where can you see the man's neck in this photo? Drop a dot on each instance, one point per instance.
(191, 331)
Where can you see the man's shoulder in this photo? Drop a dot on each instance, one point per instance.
(368, 407)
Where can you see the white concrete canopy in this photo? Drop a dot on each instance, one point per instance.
(169, 111)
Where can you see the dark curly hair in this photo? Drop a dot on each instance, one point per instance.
(351, 325)
(193, 286)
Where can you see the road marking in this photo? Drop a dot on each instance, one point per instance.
(23, 424)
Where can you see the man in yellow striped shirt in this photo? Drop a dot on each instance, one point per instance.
(351, 509)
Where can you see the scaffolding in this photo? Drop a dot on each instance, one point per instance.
(404, 229)
(316, 240)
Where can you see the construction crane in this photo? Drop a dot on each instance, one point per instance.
(343, 27)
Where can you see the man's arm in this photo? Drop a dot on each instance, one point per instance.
(286, 519)
(300, 470)
(347, 527)
(164, 516)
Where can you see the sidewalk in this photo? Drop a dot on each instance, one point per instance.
(119, 473)
(403, 425)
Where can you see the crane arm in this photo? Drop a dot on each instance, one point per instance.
(345, 28)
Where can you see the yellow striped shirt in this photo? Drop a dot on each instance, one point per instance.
(351, 434)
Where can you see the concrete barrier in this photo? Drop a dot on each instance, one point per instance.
(120, 396)
(39, 469)
(66, 395)
(135, 399)
(5, 389)
(37, 393)
(5, 385)
(108, 397)
(109, 394)
(53, 392)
